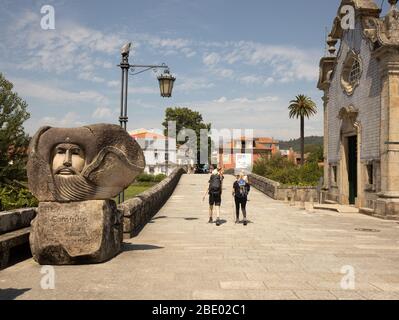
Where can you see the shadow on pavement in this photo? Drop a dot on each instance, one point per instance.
(221, 222)
(19, 253)
(164, 217)
(11, 293)
(139, 247)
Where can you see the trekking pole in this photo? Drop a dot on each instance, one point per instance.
(232, 205)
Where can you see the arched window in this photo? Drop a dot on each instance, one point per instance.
(355, 73)
(351, 72)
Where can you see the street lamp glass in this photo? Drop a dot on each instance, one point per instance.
(126, 49)
(166, 81)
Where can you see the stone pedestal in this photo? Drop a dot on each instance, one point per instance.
(387, 208)
(76, 232)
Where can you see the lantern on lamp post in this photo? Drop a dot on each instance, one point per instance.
(166, 81)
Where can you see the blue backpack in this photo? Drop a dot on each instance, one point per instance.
(243, 191)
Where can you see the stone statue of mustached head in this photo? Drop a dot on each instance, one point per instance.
(93, 162)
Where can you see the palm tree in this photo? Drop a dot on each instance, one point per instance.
(302, 107)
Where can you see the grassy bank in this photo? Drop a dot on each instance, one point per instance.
(137, 188)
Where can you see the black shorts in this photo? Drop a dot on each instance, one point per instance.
(215, 199)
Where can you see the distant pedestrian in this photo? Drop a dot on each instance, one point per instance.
(214, 191)
(241, 190)
(245, 177)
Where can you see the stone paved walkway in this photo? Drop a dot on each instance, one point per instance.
(285, 253)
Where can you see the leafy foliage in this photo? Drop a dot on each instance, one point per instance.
(14, 197)
(145, 177)
(311, 143)
(302, 107)
(288, 173)
(13, 149)
(13, 140)
(186, 118)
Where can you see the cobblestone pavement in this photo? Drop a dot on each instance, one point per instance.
(284, 253)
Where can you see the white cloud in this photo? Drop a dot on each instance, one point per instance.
(50, 93)
(242, 100)
(71, 47)
(211, 59)
(143, 90)
(269, 81)
(193, 84)
(71, 119)
(251, 79)
(102, 113)
(177, 43)
(266, 114)
(90, 77)
(221, 100)
(254, 79)
(287, 63)
(88, 54)
(189, 52)
(224, 73)
(113, 84)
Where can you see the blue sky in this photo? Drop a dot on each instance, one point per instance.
(237, 62)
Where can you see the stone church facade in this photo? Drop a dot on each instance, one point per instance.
(360, 80)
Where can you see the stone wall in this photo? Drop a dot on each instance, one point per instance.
(276, 191)
(138, 211)
(16, 219)
(14, 231)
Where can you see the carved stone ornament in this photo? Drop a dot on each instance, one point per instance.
(93, 162)
(351, 72)
(348, 113)
(383, 31)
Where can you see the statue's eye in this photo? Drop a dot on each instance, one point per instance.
(76, 151)
(60, 151)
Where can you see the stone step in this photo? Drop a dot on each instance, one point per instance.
(337, 208)
(16, 219)
(10, 240)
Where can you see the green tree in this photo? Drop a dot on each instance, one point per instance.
(316, 153)
(186, 118)
(302, 107)
(13, 149)
(286, 172)
(13, 140)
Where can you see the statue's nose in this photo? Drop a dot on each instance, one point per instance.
(67, 160)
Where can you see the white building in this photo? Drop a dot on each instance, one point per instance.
(155, 146)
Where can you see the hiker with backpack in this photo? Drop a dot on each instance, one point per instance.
(215, 195)
(241, 189)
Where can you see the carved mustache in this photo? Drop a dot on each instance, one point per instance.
(64, 168)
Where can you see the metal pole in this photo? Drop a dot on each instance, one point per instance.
(123, 115)
(122, 95)
(125, 103)
(167, 153)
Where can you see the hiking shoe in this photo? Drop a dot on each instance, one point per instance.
(245, 222)
(217, 222)
(210, 220)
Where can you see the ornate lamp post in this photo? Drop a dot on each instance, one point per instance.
(166, 81)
